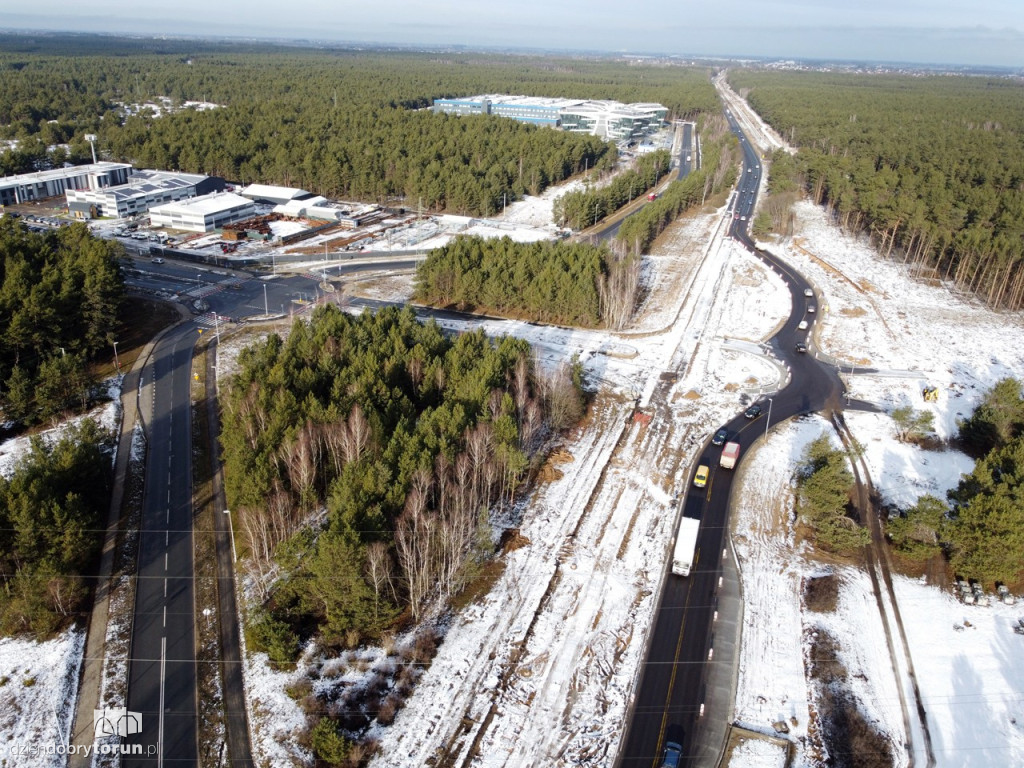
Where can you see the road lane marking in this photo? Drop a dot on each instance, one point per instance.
(160, 727)
(167, 537)
(165, 561)
(165, 587)
(675, 660)
(165, 615)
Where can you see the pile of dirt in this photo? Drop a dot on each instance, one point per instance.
(821, 593)
(550, 472)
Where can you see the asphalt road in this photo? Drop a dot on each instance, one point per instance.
(687, 150)
(608, 230)
(161, 671)
(668, 702)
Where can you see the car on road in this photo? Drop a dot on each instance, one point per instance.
(673, 756)
(808, 293)
(811, 309)
(701, 478)
(801, 347)
(158, 260)
(743, 218)
(720, 437)
(802, 325)
(753, 411)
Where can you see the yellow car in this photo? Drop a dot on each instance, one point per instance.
(701, 478)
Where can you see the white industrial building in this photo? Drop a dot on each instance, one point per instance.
(26, 187)
(266, 193)
(142, 191)
(311, 208)
(203, 214)
(603, 118)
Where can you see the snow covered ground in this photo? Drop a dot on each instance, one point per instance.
(540, 670)
(38, 686)
(916, 335)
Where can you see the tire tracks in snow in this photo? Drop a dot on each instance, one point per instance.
(879, 570)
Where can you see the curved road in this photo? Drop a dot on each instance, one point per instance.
(671, 692)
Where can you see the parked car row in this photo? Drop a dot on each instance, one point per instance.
(47, 222)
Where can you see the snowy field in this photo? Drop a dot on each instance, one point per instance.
(557, 640)
(916, 335)
(38, 683)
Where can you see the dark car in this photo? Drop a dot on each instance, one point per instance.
(801, 347)
(753, 411)
(720, 437)
(673, 755)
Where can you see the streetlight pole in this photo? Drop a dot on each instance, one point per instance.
(231, 530)
(768, 421)
(266, 309)
(116, 361)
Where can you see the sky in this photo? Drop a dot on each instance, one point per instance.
(967, 32)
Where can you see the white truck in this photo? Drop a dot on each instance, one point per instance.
(686, 545)
(730, 455)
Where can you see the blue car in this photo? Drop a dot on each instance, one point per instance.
(673, 755)
(720, 437)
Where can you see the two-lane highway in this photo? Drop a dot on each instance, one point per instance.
(669, 702)
(162, 667)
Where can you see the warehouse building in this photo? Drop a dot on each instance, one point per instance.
(143, 190)
(606, 119)
(27, 187)
(203, 214)
(267, 193)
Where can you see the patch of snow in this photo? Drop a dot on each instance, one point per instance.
(753, 753)
(968, 662)
(107, 416)
(276, 721)
(38, 690)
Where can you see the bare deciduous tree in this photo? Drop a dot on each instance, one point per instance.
(415, 533)
(302, 457)
(358, 435)
(379, 571)
(617, 291)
